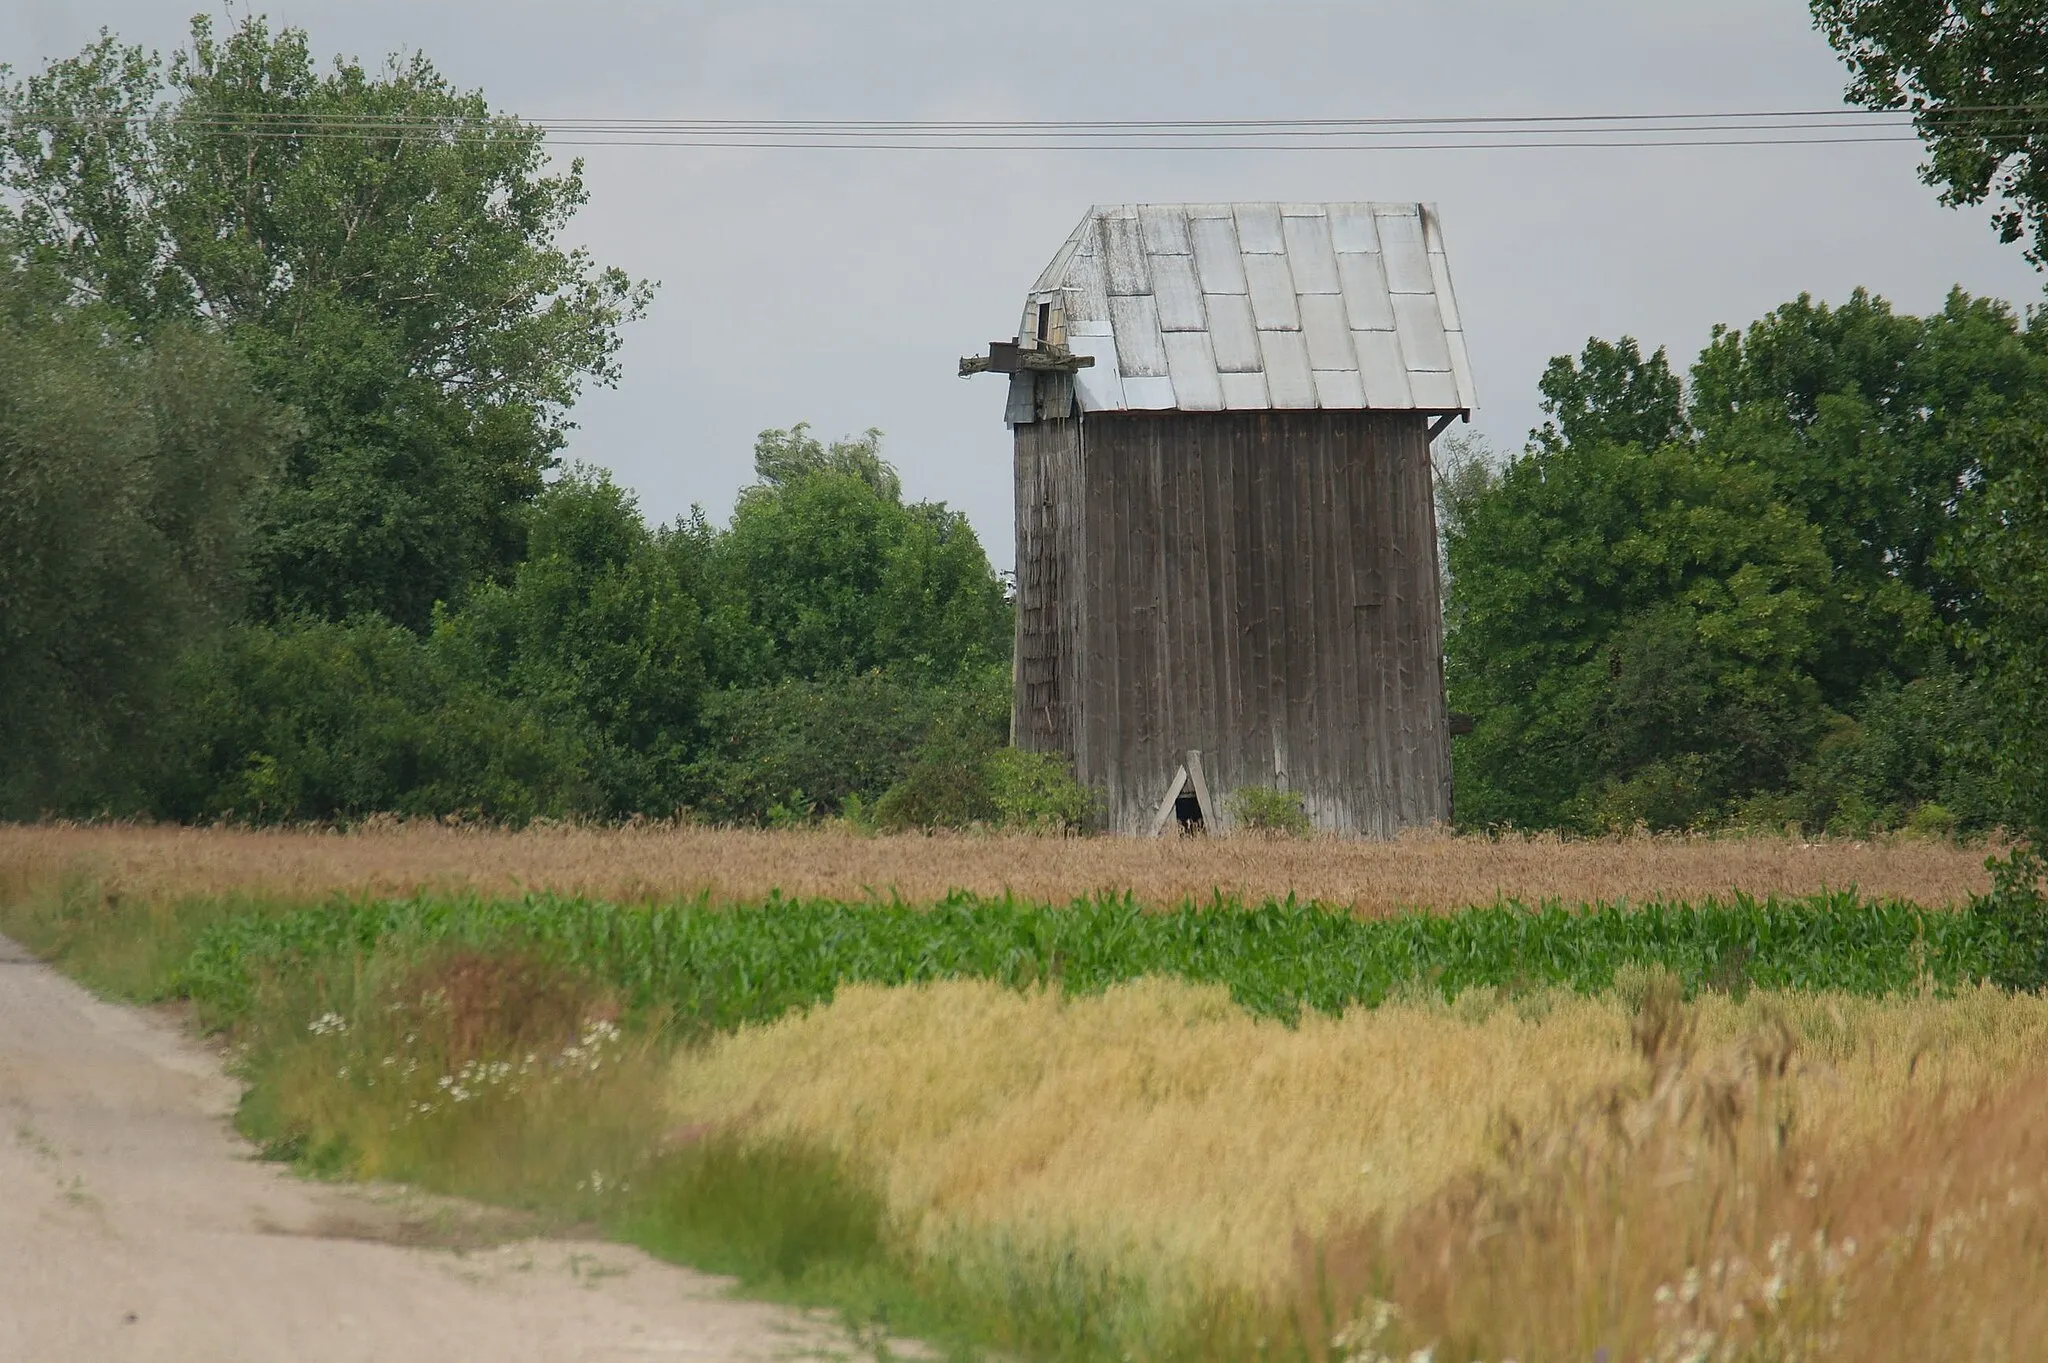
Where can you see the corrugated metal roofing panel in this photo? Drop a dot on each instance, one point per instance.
(1365, 292)
(1192, 365)
(1310, 257)
(1407, 259)
(1101, 385)
(1123, 249)
(1434, 392)
(1327, 331)
(1421, 329)
(1440, 282)
(1087, 291)
(1339, 388)
(1244, 392)
(1258, 229)
(1274, 301)
(1235, 334)
(1148, 394)
(1255, 306)
(1166, 229)
(1180, 297)
(1217, 255)
(1381, 367)
(1289, 381)
(1461, 369)
(1140, 353)
(1351, 228)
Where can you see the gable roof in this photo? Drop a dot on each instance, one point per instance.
(1246, 307)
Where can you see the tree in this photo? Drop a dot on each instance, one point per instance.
(600, 632)
(826, 572)
(1976, 79)
(1874, 426)
(380, 247)
(1611, 395)
(125, 469)
(315, 720)
(1634, 630)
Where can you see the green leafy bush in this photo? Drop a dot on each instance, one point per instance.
(336, 721)
(1262, 809)
(1036, 790)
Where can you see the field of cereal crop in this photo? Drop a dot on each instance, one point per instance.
(1528, 1099)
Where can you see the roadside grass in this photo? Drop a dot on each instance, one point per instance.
(1101, 1132)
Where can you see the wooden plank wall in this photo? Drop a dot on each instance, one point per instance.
(1261, 586)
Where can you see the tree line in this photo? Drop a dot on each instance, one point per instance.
(287, 356)
(287, 359)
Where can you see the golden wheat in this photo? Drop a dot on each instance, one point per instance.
(1160, 1129)
(662, 861)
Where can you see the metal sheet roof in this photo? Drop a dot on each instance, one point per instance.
(1206, 307)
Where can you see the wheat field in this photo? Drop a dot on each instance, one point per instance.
(651, 862)
(1453, 1156)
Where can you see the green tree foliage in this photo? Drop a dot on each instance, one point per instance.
(826, 572)
(2002, 547)
(1634, 632)
(316, 720)
(600, 630)
(1875, 427)
(799, 749)
(379, 246)
(1881, 440)
(1611, 395)
(1975, 77)
(123, 470)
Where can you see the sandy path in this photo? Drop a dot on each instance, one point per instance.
(135, 1226)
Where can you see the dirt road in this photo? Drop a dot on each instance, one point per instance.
(135, 1226)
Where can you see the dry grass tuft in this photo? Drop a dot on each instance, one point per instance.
(1521, 1176)
(662, 862)
(1725, 1205)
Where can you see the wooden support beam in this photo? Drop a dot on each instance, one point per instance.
(1007, 357)
(1173, 790)
(1437, 427)
(1201, 784)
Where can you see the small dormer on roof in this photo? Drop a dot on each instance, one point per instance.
(1247, 307)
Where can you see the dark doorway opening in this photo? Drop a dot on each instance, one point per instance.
(1187, 811)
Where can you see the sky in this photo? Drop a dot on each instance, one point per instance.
(841, 288)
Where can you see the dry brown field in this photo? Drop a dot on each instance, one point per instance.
(664, 861)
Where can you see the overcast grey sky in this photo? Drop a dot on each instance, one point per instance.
(841, 288)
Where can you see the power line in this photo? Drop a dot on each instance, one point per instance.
(1745, 128)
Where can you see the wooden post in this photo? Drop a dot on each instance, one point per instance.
(1209, 820)
(1173, 790)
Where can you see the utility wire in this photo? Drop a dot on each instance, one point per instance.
(1752, 128)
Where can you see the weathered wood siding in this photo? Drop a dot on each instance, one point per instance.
(1261, 586)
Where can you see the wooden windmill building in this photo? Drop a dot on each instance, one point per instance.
(1226, 528)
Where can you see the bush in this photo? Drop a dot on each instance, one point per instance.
(800, 750)
(326, 721)
(1262, 809)
(1006, 788)
(1927, 742)
(1037, 791)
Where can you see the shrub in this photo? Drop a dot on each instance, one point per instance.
(1262, 809)
(1036, 790)
(335, 721)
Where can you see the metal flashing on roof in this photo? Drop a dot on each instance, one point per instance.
(1250, 307)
